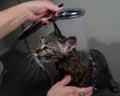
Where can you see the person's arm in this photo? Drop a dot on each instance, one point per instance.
(13, 17)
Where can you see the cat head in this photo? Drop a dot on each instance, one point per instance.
(54, 47)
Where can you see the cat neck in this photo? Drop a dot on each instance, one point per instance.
(73, 63)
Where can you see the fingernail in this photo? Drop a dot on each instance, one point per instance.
(61, 5)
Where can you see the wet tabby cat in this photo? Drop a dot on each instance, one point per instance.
(85, 70)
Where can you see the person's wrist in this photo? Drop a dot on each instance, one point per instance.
(31, 8)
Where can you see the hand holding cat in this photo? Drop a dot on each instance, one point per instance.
(60, 89)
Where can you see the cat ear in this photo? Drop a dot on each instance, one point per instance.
(68, 44)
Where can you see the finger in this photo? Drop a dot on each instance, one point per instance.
(51, 6)
(74, 91)
(45, 20)
(66, 80)
(86, 90)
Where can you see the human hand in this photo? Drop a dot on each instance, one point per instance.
(60, 89)
(40, 8)
(28, 11)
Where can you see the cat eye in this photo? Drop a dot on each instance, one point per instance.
(47, 49)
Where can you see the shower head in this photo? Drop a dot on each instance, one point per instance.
(68, 13)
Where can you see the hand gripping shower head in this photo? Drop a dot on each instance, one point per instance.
(68, 13)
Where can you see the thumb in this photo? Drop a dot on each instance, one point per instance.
(66, 80)
(51, 6)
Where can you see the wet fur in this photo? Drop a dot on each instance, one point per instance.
(76, 63)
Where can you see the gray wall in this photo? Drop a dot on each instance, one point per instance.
(101, 24)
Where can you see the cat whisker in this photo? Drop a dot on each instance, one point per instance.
(35, 66)
(29, 58)
(28, 51)
(37, 73)
(26, 58)
(29, 64)
(40, 64)
(33, 69)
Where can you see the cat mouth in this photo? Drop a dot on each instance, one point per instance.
(48, 58)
